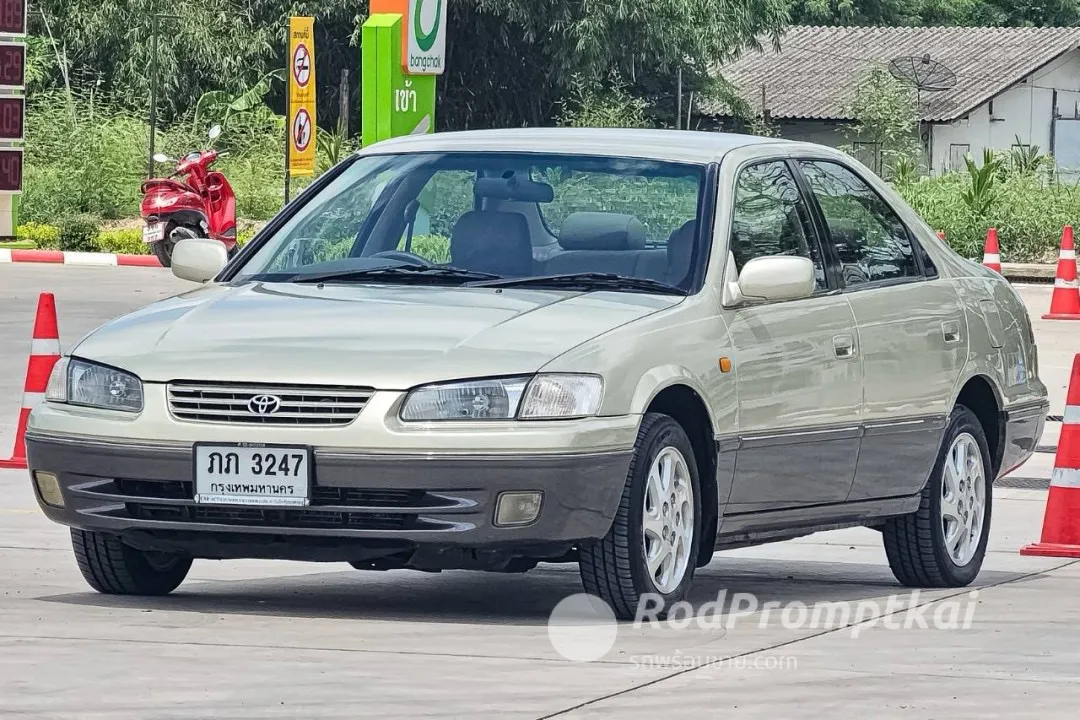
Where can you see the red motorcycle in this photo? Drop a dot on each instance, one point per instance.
(202, 204)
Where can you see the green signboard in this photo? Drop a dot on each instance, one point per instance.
(394, 103)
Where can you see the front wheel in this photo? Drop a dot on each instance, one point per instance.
(110, 566)
(943, 543)
(653, 541)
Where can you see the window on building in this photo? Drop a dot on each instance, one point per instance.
(869, 154)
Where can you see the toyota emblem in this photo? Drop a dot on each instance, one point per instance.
(264, 405)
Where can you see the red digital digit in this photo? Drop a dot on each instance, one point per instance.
(11, 165)
(11, 118)
(12, 65)
(13, 17)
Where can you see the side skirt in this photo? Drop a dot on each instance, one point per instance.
(746, 529)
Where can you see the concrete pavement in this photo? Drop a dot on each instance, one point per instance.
(257, 639)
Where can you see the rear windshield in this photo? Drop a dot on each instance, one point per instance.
(508, 215)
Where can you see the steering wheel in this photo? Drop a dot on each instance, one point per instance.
(405, 257)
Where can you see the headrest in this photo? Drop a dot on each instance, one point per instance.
(601, 231)
(514, 187)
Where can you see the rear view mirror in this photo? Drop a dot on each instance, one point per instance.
(215, 132)
(161, 157)
(775, 278)
(198, 259)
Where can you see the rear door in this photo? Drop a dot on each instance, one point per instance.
(797, 363)
(911, 328)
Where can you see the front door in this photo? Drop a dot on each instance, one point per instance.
(797, 364)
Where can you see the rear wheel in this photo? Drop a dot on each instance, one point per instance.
(173, 234)
(653, 541)
(111, 567)
(943, 543)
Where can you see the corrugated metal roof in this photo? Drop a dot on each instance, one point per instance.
(817, 70)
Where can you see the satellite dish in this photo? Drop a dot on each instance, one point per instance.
(924, 74)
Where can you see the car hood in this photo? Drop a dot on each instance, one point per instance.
(388, 337)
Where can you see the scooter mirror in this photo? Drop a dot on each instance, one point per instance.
(161, 157)
(215, 132)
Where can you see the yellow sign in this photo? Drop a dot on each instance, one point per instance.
(301, 128)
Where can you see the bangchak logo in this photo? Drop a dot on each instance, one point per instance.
(426, 49)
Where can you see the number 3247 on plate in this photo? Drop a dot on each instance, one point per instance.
(263, 475)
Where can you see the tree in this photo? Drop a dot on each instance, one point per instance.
(886, 113)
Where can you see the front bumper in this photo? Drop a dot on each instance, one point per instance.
(143, 492)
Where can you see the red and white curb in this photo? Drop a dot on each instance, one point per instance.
(61, 257)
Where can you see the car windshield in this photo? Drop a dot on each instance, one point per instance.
(471, 218)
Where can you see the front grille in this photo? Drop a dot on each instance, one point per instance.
(320, 494)
(260, 517)
(309, 405)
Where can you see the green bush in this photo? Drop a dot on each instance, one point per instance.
(78, 233)
(122, 242)
(44, 237)
(1029, 214)
(435, 248)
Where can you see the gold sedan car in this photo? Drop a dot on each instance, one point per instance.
(487, 350)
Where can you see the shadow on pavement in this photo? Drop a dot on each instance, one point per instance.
(488, 598)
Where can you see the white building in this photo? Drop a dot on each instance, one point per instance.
(1009, 83)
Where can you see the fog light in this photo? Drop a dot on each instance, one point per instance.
(517, 508)
(48, 486)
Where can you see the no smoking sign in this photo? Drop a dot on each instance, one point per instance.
(301, 65)
(301, 130)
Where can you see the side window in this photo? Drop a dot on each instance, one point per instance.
(770, 218)
(871, 241)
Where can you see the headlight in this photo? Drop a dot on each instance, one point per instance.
(82, 383)
(543, 397)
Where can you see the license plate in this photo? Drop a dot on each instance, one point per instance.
(250, 474)
(153, 233)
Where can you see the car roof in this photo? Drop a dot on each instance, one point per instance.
(675, 145)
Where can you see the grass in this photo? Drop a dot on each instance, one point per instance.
(17, 245)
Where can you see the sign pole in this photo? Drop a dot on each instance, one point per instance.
(288, 116)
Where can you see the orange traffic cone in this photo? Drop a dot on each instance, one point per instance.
(991, 253)
(1061, 523)
(44, 352)
(1065, 302)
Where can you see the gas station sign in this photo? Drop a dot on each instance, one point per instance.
(12, 111)
(403, 51)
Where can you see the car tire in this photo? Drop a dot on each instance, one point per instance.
(113, 568)
(920, 552)
(616, 568)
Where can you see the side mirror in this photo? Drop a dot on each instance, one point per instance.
(215, 132)
(161, 158)
(198, 259)
(776, 277)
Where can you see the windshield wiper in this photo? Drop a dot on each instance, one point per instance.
(586, 281)
(398, 273)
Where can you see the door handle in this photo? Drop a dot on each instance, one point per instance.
(951, 330)
(844, 346)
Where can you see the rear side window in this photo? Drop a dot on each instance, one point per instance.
(870, 239)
